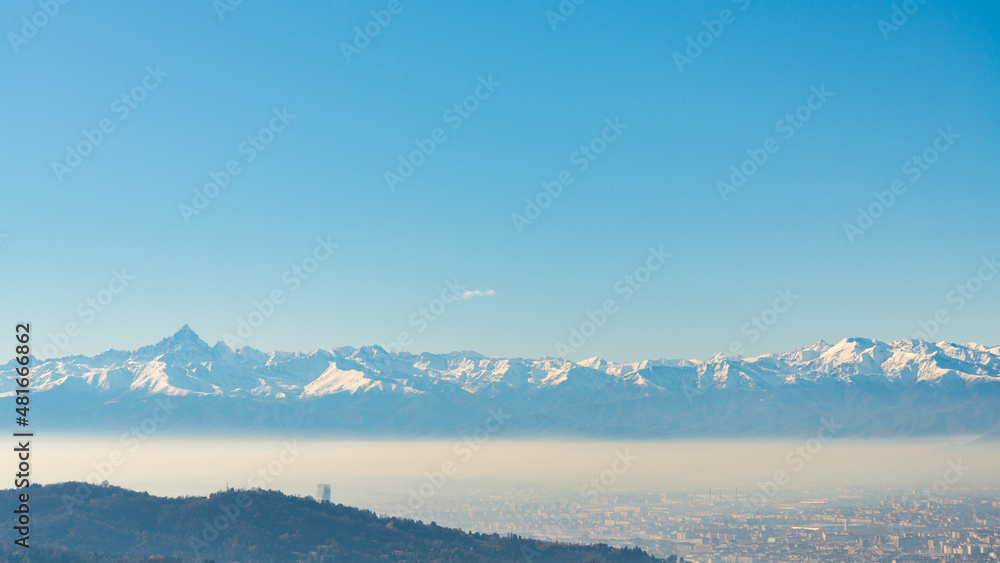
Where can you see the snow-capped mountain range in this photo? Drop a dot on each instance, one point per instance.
(876, 388)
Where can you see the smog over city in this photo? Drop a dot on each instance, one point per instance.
(566, 281)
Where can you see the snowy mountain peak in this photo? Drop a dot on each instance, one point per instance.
(185, 341)
(340, 387)
(183, 363)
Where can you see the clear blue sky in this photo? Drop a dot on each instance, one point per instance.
(655, 184)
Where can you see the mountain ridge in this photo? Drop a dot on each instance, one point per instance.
(901, 381)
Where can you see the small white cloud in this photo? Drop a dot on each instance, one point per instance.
(476, 293)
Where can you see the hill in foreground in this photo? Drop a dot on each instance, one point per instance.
(75, 522)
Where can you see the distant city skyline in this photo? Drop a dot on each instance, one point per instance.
(556, 179)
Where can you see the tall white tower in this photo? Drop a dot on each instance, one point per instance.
(323, 493)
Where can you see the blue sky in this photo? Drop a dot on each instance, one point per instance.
(208, 82)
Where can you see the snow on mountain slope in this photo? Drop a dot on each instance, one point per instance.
(183, 364)
(336, 380)
(891, 389)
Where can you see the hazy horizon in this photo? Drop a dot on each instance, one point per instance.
(163, 466)
(771, 229)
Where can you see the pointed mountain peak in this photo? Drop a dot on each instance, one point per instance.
(186, 336)
(721, 357)
(185, 332)
(595, 363)
(851, 344)
(184, 340)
